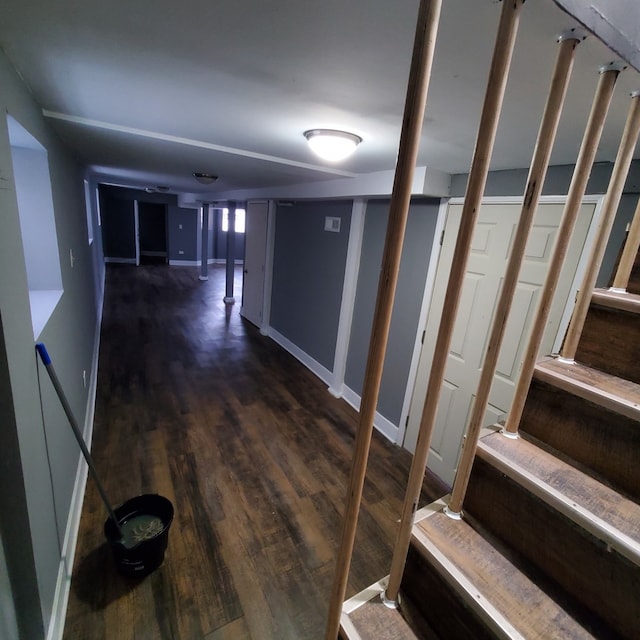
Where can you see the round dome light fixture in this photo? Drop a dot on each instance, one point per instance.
(332, 145)
(204, 178)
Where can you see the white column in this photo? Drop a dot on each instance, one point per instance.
(231, 253)
(204, 253)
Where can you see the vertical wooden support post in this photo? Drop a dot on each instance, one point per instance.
(537, 173)
(231, 253)
(204, 243)
(586, 156)
(631, 246)
(419, 76)
(505, 41)
(609, 209)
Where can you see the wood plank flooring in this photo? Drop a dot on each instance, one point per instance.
(193, 403)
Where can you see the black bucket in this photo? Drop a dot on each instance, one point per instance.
(140, 551)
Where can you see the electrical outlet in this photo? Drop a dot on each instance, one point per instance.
(180, 253)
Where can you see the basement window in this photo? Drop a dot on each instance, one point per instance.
(37, 224)
(240, 218)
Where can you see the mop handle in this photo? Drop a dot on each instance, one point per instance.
(46, 360)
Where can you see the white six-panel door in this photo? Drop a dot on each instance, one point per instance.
(255, 255)
(487, 261)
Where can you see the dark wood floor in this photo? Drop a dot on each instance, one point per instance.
(193, 403)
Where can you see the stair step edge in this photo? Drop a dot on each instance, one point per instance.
(616, 300)
(611, 401)
(477, 602)
(596, 526)
(349, 627)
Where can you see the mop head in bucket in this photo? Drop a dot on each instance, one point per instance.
(138, 530)
(144, 523)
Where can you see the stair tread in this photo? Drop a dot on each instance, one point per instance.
(494, 582)
(374, 620)
(612, 516)
(605, 389)
(616, 300)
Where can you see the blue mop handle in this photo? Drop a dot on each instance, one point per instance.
(46, 360)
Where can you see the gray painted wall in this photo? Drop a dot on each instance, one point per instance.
(8, 621)
(308, 275)
(183, 233)
(41, 468)
(406, 309)
(513, 182)
(20, 568)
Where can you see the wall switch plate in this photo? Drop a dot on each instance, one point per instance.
(332, 224)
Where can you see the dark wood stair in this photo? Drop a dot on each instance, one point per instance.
(549, 542)
(610, 340)
(589, 418)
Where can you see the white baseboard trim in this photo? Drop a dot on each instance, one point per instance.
(322, 372)
(336, 392)
(196, 263)
(224, 261)
(120, 260)
(65, 569)
(382, 424)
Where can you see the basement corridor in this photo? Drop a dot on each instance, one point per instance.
(195, 404)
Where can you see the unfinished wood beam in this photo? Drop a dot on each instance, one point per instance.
(419, 77)
(537, 174)
(609, 209)
(586, 156)
(503, 50)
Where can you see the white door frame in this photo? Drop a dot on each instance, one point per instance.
(258, 242)
(349, 287)
(136, 230)
(596, 199)
(436, 247)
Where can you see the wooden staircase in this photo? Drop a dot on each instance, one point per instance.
(540, 537)
(549, 545)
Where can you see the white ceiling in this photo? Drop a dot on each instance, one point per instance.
(148, 92)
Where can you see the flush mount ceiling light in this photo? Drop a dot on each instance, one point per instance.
(204, 178)
(332, 145)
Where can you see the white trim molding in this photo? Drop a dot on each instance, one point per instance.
(120, 260)
(352, 267)
(382, 424)
(436, 246)
(313, 365)
(268, 268)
